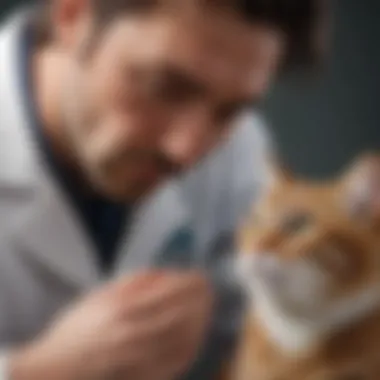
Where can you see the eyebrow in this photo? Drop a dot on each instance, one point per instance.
(189, 80)
(195, 86)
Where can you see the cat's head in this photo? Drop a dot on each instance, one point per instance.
(309, 245)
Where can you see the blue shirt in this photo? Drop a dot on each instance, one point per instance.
(103, 220)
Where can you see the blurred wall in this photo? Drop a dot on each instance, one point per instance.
(321, 124)
(6, 5)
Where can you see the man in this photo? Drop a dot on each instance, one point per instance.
(127, 145)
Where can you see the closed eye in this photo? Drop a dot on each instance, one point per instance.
(167, 83)
(295, 223)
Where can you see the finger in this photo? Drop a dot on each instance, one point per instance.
(170, 325)
(130, 286)
(171, 292)
(170, 344)
(137, 281)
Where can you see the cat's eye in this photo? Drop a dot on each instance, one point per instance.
(294, 223)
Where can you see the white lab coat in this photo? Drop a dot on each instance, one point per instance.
(46, 259)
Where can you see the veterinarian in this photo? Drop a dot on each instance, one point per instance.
(128, 154)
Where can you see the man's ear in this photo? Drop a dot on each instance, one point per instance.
(361, 189)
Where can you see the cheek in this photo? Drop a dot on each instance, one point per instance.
(296, 279)
(110, 136)
(76, 99)
(306, 284)
(116, 88)
(122, 115)
(114, 126)
(80, 110)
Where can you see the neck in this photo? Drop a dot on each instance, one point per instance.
(290, 335)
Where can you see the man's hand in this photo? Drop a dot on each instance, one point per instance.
(147, 327)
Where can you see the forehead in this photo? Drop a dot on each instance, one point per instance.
(216, 47)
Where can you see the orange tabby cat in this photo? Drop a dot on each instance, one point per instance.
(310, 263)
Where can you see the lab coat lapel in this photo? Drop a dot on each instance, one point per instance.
(47, 231)
(164, 213)
(51, 235)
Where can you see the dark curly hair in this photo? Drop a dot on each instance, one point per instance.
(303, 21)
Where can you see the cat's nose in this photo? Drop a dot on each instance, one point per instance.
(266, 261)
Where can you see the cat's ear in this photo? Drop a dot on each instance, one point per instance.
(361, 188)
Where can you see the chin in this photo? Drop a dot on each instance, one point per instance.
(121, 188)
(118, 193)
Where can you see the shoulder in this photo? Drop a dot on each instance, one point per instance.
(250, 153)
(228, 181)
(250, 149)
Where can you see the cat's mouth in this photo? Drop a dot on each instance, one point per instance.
(260, 267)
(268, 269)
(294, 285)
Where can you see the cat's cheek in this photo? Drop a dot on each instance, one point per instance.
(243, 268)
(306, 285)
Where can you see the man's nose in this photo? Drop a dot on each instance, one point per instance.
(189, 138)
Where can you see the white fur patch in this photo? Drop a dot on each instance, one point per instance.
(291, 300)
(292, 336)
